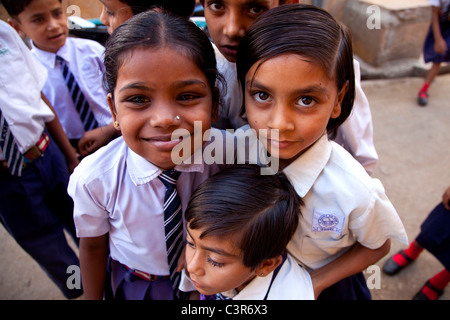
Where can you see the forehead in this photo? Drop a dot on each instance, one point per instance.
(241, 3)
(41, 6)
(113, 4)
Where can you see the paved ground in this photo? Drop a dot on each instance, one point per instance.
(413, 145)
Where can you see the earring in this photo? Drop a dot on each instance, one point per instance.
(116, 124)
(177, 117)
(261, 274)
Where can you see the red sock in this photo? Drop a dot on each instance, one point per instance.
(424, 87)
(439, 281)
(412, 252)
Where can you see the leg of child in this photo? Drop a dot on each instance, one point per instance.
(434, 287)
(400, 260)
(423, 92)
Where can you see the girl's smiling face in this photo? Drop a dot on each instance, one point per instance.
(215, 264)
(158, 91)
(294, 96)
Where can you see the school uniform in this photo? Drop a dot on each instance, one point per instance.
(229, 110)
(355, 134)
(343, 205)
(84, 59)
(429, 54)
(118, 192)
(34, 205)
(434, 234)
(291, 282)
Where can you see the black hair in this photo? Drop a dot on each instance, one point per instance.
(307, 31)
(154, 30)
(15, 7)
(260, 212)
(183, 8)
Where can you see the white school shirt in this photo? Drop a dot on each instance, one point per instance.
(116, 191)
(342, 205)
(21, 80)
(442, 4)
(291, 283)
(355, 134)
(85, 61)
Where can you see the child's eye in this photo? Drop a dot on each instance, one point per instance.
(261, 96)
(190, 244)
(109, 13)
(215, 6)
(138, 100)
(257, 10)
(58, 13)
(187, 97)
(38, 20)
(306, 101)
(215, 263)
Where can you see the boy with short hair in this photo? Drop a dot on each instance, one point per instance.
(35, 159)
(228, 21)
(75, 71)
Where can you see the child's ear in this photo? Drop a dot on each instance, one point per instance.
(112, 108)
(17, 26)
(267, 266)
(340, 97)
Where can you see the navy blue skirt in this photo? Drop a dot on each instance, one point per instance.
(429, 54)
(435, 234)
(350, 288)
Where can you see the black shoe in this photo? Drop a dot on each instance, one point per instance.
(391, 267)
(421, 296)
(422, 99)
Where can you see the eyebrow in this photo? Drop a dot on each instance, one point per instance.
(312, 89)
(177, 85)
(215, 250)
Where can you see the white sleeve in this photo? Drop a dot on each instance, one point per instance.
(356, 133)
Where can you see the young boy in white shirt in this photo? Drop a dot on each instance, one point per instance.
(34, 205)
(75, 71)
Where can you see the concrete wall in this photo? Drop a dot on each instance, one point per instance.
(401, 32)
(88, 9)
(394, 46)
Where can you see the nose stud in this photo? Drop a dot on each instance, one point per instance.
(177, 118)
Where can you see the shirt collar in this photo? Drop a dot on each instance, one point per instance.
(142, 171)
(303, 172)
(49, 58)
(255, 290)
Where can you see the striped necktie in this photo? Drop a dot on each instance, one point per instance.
(173, 223)
(9, 148)
(80, 102)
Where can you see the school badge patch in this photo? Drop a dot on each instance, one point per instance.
(327, 221)
(3, 48)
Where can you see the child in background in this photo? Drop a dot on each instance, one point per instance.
(75, 71)
(437, 43)
(434, 236)
(238, 225)
(34, 205)
(302, 89)
(161, 75)
(116, 12)
(228, 21)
